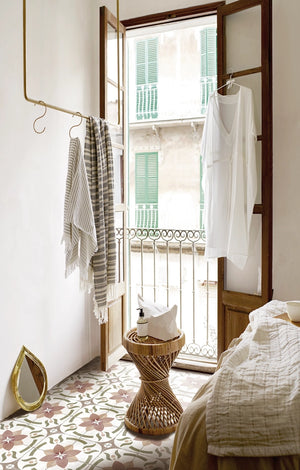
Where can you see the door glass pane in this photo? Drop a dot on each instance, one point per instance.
(116, 134)
(112, 104)
(112, 69)
(258, 168)
(119, 175)
(243, 40)
(119, 221)
(253, 82)
(247, 280)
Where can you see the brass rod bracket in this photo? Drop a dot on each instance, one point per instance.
(51, 106)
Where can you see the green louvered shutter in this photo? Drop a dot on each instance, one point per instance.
(152, 76)
(146, 78)
(146, 190)
(140, 178)
(140, 78)
(208, 64)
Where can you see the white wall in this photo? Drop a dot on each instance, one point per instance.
(286, 67)
(39, 308)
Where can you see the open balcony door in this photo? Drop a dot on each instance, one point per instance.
(112, 108)
(245, 50)
(233, 305)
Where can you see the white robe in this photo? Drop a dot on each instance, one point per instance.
(229, 175)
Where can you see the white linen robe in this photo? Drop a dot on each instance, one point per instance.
(229, 175)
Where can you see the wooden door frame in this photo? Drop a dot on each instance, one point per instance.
(110, 355)
(107, 17)
(172, 16)
(237, 301)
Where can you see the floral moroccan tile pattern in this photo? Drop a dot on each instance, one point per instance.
(80, 425)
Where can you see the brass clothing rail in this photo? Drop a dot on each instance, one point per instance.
(51, 106)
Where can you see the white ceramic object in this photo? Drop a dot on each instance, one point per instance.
(293, 310)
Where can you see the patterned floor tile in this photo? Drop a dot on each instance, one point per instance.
(61, 451)
(116, 459)
(9, 466)
(97, 423)
(77, 388)
(52, 413)
(80, 426)
(16, 438)
(84, 386)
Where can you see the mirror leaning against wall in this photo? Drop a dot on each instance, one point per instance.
(29, 380)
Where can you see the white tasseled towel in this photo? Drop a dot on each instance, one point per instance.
(79, 226)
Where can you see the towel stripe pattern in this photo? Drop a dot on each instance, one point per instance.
(79, 227)
(98, 158)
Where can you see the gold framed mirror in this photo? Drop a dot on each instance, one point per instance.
(29, 380)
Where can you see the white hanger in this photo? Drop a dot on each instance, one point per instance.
(230, 82)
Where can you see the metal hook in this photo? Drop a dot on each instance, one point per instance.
(76, 125)
(40, 117)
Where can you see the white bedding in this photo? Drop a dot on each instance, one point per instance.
(254, 408)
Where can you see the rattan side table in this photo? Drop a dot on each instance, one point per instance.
(155, 409)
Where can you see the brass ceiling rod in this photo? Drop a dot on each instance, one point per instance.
(118, 60)
(51, 106)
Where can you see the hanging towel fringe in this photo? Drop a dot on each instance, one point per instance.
(102, 313)
(87, 284)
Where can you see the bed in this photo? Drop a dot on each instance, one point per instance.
(247, 415)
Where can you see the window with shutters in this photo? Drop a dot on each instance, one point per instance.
(146, 190)
(208, 64)
(146, 78)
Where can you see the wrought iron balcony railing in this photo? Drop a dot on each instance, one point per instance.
(168, 266)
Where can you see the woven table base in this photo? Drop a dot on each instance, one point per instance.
(155, 409)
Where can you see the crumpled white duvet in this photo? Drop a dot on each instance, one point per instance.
(254, 408)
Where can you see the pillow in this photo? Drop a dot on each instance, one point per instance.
(161, 319)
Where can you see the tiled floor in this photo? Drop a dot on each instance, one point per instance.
(81, 424)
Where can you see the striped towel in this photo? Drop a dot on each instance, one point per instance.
(79, 227)
(99, 165)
